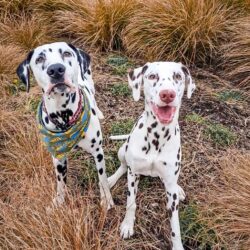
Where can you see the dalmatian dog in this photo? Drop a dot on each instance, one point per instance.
(61, 70)
(153, 147)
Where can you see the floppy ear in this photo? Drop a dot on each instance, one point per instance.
(135, 80)
(23, 71)
(83, 59)
(190, 85)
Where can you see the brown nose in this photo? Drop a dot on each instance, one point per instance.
(167, 96)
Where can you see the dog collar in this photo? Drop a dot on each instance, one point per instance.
(59, 143)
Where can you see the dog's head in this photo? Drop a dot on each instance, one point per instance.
(55, 67)
(164, 84)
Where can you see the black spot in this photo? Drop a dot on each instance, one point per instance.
(177, 170)
(93, 140)
(97, 149)
(128, 139)
(60, 51)
(145, 138)
(166, 133)
(132, 184)
(87, 89)
(43, 68)
(131, 75)
(93, 111)
(100, 142)
(154, 125)
(149, 130)
(170, 213)
(88, 72)
(136, 85)
(164, 163)
(101, 171)
(128, 193)
(144, 69)
(163, 129)
(47, 119)
(174, 196)
(62, 169)
(50, 50)
(58, 178)
(98, 133)
(70, 63)
(73, 96)
(173, 234)
(144, 148)
(168, 137)
(148, 148)
(62, 94)
(92, 145)
(126, 148)
(141, 125)
(175, 131)
(65, 179)
(157, 136)
(99, 157)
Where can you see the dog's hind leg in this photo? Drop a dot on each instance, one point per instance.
(121, 170)
(61, 177)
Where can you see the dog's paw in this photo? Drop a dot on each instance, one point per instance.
(126, 229)
(182, 194)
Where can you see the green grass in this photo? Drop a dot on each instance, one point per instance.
(195, 231)
(122, 127)
(220, 134)
(229, 95)
(120, 89)
(195, 118)
(120, 65)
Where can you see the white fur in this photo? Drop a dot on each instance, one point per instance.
(149, 149)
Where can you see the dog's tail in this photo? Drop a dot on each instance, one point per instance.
(119, 137)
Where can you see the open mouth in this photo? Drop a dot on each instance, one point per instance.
(164, 114)
(60, 87)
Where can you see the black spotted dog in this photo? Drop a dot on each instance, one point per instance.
(68, 114)
(153, 146)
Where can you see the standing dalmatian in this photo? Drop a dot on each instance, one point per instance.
(153, 147)
(68, 116)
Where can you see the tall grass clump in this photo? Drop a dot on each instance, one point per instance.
(98, 24)
(228, 202)
(24, 32)
(11, 7)
(236, 54)
(186, 30)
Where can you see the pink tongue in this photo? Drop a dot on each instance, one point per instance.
(164, 113)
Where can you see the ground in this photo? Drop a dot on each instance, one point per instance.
(214, 124)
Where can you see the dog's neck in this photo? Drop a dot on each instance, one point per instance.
(155, 128)
(59, 109)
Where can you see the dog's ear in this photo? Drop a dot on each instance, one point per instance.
(135, 80)
(190, 85)
(83, 59)
(23, 71)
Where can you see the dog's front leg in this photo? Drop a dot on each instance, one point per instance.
(127, 226)
(61, 177)
(173, 197)
(106, 198)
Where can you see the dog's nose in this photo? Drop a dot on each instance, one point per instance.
(56, 71)
(167, 96)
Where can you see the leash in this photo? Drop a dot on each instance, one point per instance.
(58, 142)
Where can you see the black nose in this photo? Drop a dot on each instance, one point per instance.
(56, 71)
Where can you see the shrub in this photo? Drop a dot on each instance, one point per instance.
(236, 54)
(97, 25)
(187, 30)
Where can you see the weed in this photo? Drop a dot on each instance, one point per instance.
(220, 134)
(120, 65)
(120, 89)
(196, 118)
(229, 95)
(122, 127)
(195, 231)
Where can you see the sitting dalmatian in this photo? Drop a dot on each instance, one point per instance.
(153, 147)
(68, 116)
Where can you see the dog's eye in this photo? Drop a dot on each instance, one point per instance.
(152, 77)
(40, 59)
(178, 76)
(67, 54)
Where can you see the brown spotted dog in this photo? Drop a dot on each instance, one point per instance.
(63, 72)
(153, 147)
